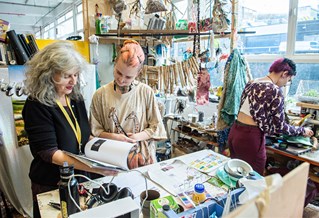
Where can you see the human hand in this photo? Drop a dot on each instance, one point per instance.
(133, 136)
(308, 132)
(104, 172)
(123, 138)
(315, 145)
(141, 136)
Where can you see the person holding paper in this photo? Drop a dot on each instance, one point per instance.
(55, 116)
(126, 109)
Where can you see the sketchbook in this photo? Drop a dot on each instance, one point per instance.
(106, 154)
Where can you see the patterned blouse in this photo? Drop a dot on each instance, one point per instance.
(266, 102)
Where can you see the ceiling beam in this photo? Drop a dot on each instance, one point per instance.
(23, 20)
(25, 5)
(22, 29)
(45, 19)
(21, 9)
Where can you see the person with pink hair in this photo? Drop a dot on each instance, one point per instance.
(126, 109)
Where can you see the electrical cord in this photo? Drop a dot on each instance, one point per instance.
(146, 196)
(87, 178)
(107, 191)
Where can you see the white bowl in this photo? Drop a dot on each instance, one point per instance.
(237, 168)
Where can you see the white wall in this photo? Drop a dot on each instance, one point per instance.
(105, 65)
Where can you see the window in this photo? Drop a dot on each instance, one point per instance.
(307, 31)
(272, 23)
(79, 21)
(49, 31)
(38, 35)
(300, 43)
(67, 24)
(65, 29)
(269, 19)
(180, 8)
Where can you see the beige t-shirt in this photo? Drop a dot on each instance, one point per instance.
(135, 111)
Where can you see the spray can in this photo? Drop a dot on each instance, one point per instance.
(67, 179)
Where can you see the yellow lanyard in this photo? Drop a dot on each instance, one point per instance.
(76, 128)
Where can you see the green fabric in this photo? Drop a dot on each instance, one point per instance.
(236, 81)
(230, 181)
(298, 140)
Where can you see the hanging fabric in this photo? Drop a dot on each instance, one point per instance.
(236, 76)
(203, 85)
(221, 15)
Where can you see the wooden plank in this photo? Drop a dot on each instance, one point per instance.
(308, 105)
(150, 31)
(277, 151)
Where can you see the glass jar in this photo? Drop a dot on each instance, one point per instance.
(199, 195)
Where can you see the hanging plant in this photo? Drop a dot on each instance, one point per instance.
(136, 8)
(154, 6)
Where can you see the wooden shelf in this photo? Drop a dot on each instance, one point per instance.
(277, 151)
(114, 39)
(313, 177)
(142, 33)
(308, 105)
(196, 137)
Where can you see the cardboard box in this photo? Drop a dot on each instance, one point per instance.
(124, 207)
(4, 27)
(157, 206)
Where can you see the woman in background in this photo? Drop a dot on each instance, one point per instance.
(126, 109)
(55, 116)
(262, 112)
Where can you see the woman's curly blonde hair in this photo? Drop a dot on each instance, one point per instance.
(56, 58)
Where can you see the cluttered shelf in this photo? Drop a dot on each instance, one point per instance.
(203, 138)
(195, 136)
(311, 157)
(113, 35)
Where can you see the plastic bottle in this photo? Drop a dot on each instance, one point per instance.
(199, 195)
(104, 24)
(67, 205)
(98, 23)
(214, 119)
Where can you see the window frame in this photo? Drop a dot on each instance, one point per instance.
(290, 46)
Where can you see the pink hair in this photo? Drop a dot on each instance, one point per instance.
(132, 54)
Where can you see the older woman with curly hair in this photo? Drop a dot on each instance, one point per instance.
(55, 116)
(126, 109)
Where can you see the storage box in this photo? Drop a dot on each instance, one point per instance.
(4, 27)
(308, 91)
(157, 206)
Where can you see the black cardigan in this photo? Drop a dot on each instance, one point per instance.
(48, 130)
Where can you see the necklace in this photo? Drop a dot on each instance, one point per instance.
(270, 79)
(123, 89)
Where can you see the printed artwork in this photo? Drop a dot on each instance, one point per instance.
(16, 91)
